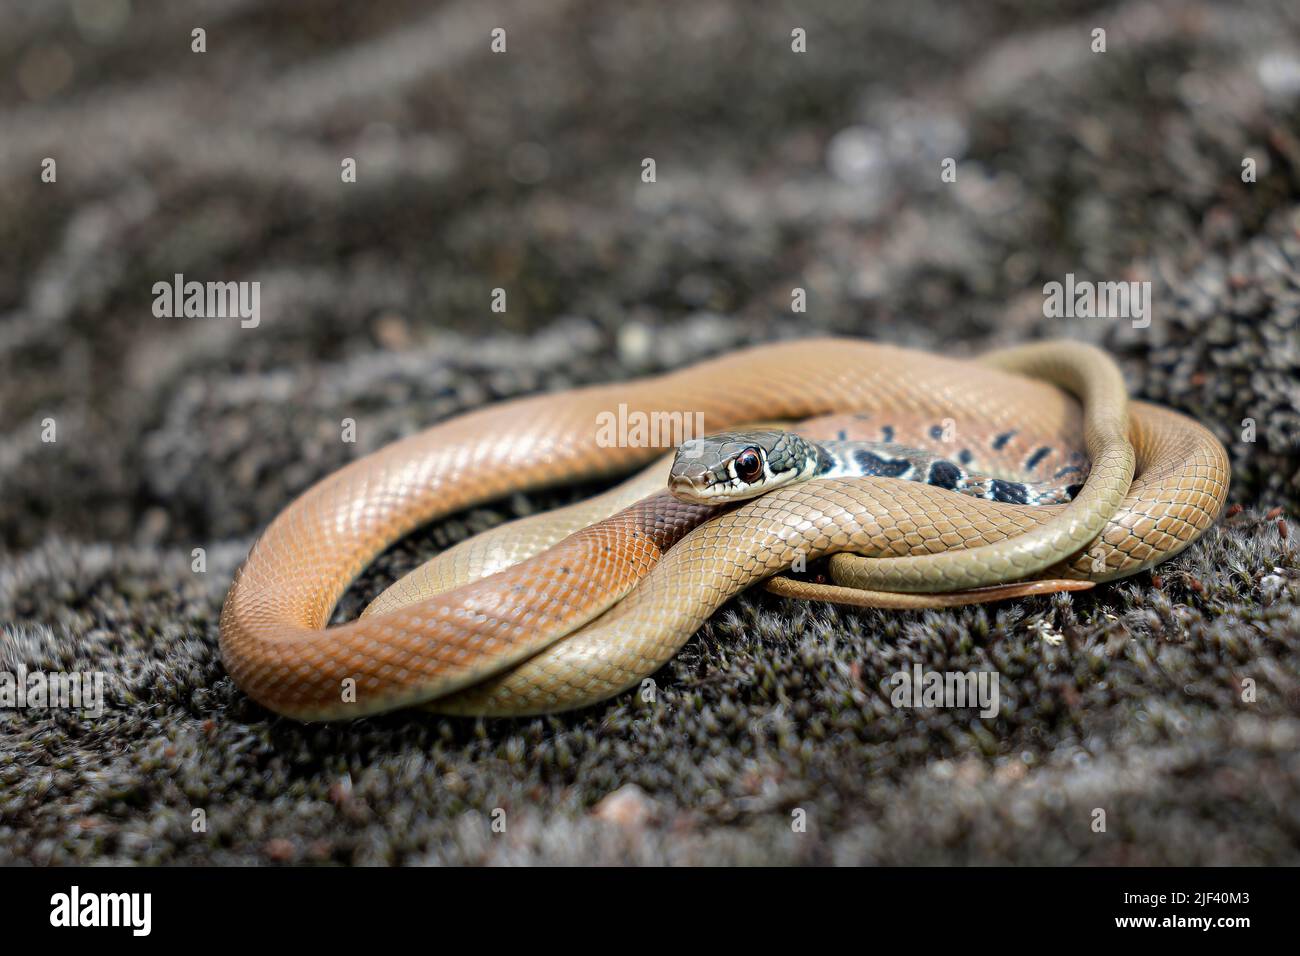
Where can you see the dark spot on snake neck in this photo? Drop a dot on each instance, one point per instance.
(1032, 462)
(1009, 492)
(964, 456)
(944, 474)
(1000, 441)
(936, 432)
(1068, 469)
(875, 465)
(887, 432)
(843, 435)
(1073, 491)
(824, 460)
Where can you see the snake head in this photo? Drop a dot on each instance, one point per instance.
(733, 466)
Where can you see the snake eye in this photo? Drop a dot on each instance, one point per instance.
(749, 466)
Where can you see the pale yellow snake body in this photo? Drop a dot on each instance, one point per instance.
(480, 633)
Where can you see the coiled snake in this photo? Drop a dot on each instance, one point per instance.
(569, 608)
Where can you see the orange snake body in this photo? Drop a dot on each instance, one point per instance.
(538, 622)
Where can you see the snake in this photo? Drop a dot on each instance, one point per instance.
(735, 466)
(567, 609)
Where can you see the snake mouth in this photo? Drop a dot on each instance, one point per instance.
(693, 490)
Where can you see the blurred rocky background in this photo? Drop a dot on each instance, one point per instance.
(522, 171)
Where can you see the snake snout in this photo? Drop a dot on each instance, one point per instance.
(688, 480)
(688, 487)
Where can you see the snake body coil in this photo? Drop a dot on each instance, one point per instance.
(606, 607)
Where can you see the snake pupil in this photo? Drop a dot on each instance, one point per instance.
(748, 465)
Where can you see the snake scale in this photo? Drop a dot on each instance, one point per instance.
(566, 609)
